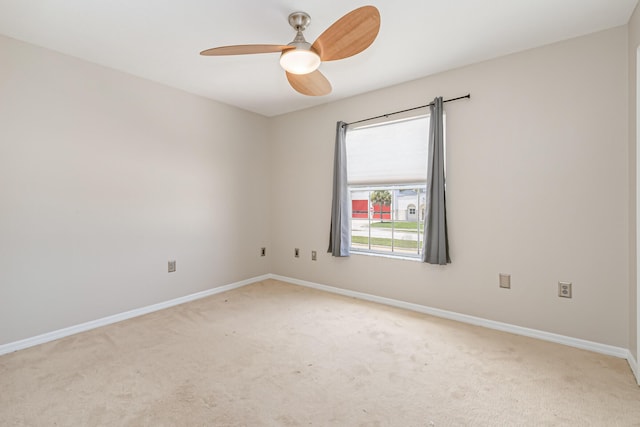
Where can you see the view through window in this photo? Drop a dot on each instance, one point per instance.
(385, 223)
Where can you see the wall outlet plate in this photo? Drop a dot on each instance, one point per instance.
(263, 251)
(296, 253)
(172, 266)
(314, 255)
(564, 289)
(505, 281)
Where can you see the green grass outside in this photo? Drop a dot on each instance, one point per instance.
(398, 225)
(380, 241)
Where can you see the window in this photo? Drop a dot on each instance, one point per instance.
(386, 174)
(389, 227)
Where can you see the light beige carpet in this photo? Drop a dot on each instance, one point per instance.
(275, 354)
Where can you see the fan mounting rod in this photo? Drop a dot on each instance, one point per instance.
(302, 59)
(299, 21)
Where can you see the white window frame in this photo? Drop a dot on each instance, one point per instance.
(420, 206)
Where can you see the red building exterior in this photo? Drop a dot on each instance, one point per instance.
(360, 209)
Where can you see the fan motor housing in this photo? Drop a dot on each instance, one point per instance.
(299, 20)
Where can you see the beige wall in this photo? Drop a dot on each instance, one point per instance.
(634, 44)
(104, 177)
(538, 180)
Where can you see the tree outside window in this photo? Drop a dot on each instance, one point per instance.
(381, 198)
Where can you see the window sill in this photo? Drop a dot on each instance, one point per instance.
(385, 255)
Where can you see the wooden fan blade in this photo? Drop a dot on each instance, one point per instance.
(245, 49)
(349, 35)
(312, 84)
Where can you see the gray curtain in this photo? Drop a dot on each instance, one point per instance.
(339, 235)
(435, 248)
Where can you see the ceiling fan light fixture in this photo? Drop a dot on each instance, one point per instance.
(299, 61)
(347, 36)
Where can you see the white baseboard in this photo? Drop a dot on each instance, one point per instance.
(491, 324)
(634, 366)
(61, 333)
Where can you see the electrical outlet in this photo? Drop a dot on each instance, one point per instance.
(564, 289)
(505, 281)
(263, 251)
(172, 266)
(296, 253)
(314, 256)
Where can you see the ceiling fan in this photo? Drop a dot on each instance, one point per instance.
(348, 36)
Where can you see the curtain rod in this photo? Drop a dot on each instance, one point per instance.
(408, 109)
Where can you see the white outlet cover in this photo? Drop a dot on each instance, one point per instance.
(564, 289)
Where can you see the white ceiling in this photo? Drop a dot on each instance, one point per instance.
(161, 40)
